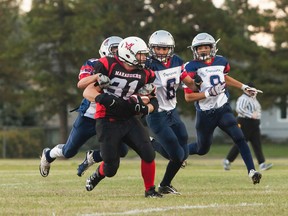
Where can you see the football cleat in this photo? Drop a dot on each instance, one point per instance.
(226, 164)
(168, 190)
(255, 176)
(88, 161)
(93, 180)
(152, 193)
(44, 166)
(264, 166)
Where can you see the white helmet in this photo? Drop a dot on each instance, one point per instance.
(161, 38)
(203, 39)
(108, 44)
(129, 48)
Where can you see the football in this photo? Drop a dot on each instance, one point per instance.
(145, 99)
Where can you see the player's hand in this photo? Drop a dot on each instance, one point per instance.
(147, 89)
(137, 106)
(252, 92)
(106, 100)
(215, 90)
(198, 81)
(103, 81)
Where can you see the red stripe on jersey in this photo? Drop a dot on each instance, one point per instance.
(83, 75)
(105, 62)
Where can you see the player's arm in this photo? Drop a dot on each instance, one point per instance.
(91, 92)
(233, 82)
(85, 81)
(194, 96)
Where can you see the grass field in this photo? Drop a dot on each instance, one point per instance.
(206, 189)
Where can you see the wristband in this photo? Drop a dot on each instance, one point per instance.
(207, 94)
(243, 87)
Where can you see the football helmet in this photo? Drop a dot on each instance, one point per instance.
(203, 39)
(129, 48)
(108, 44)
(161, 38)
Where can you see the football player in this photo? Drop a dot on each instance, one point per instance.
(211, 102)
(84, 125)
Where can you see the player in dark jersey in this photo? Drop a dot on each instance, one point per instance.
(84, 125)
(116, 120)
(211, 102)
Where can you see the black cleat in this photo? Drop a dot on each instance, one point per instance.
(93, 180)
(255, 176)
(168, 190)
(153, 193)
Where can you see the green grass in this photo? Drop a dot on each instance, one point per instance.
(206, 190)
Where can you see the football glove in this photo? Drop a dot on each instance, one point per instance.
(252, 92)
(215, 90)
(106, 100)
(137, 106)
(103, 81)
(147, 89)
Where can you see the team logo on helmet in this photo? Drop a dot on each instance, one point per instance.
(129, 46)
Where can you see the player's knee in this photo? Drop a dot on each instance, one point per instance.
(68, 153)
(203, 151)
(123, 151)
(110, 169)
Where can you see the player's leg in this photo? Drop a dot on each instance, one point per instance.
(255, 140)
(138, 139)
(231, 156)
(109, 135)
(206, 123)
(234, 151)
(94, 156)
(172, 134)
(83, 129)
(228, 124)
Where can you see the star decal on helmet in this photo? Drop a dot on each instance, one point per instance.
(128, 46)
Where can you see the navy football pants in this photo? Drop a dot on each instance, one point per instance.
(207, 121)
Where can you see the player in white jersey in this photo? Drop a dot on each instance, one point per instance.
(84, 125)
(166, 124)
(211, 102)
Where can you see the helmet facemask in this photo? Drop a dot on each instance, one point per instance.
(203, 39)
(161, 57)
(109, 46)
(161, 38)
(204, 56)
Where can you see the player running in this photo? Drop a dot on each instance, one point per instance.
(166, 124)
(84, 125)
(116, 120)
(211, 102)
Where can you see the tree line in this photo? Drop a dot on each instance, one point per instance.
(42, 50)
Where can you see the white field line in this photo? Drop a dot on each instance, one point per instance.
(185, 207)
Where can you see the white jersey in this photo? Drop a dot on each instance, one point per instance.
(211, 74)
(168, 78)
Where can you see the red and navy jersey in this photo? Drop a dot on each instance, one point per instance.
(87, 68)
(87, 108)
(123, 83)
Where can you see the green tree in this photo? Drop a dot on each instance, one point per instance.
(14, 85)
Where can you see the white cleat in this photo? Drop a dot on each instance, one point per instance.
(44, 166)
